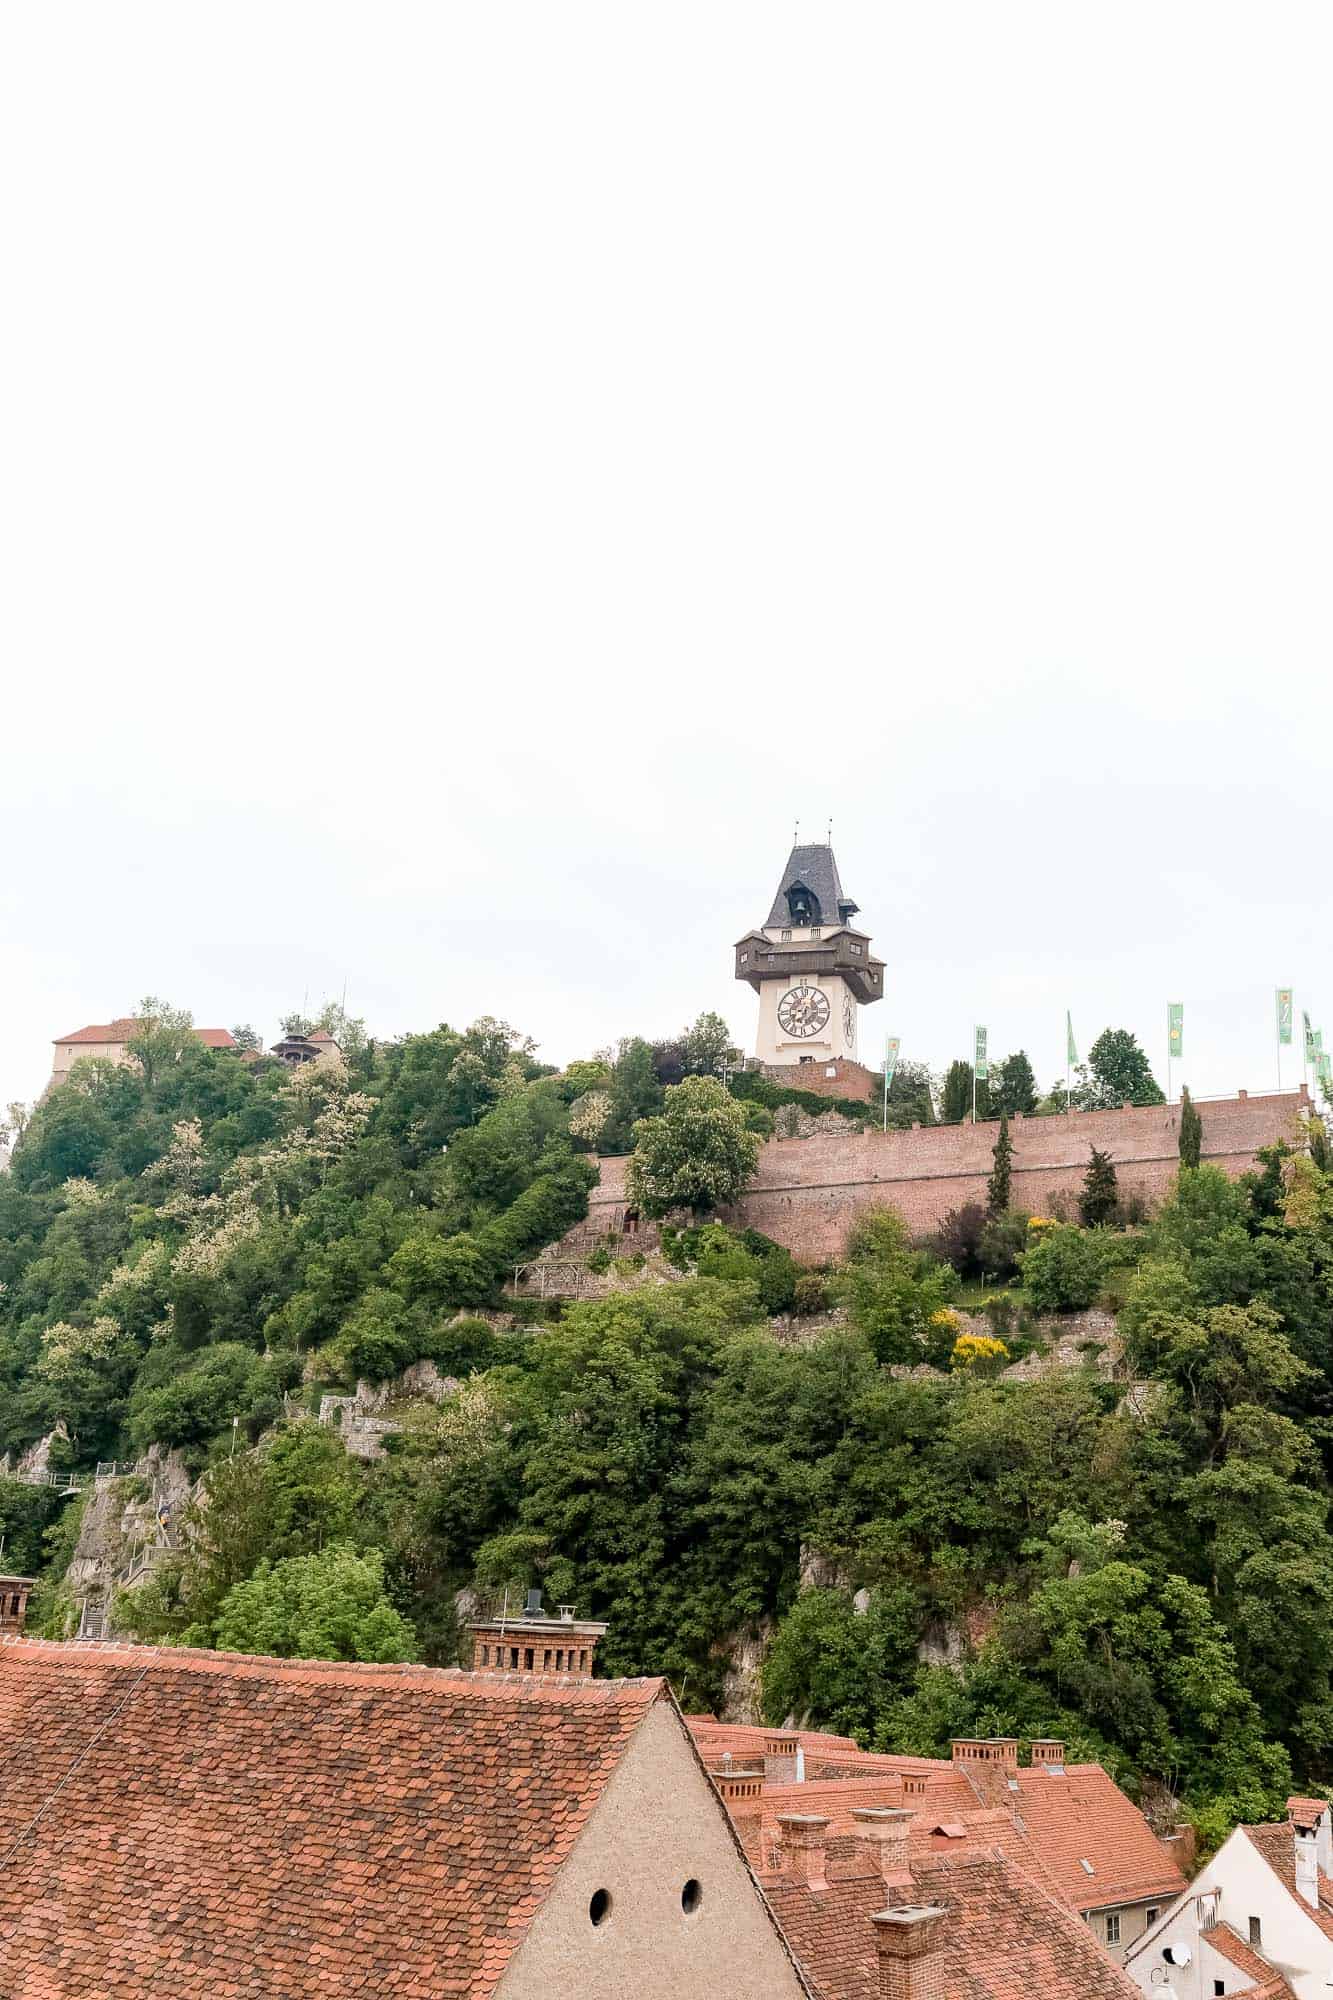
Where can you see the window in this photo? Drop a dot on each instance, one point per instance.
(690, 1897)
(1219, 1986)
(1256, 1933)
(1113, 1927)
(1150, 1916)
(854, 948)
(786, 937)
(600, 1907)
(815, 931)
(745, 958)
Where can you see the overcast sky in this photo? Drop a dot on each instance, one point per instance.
(471, 476)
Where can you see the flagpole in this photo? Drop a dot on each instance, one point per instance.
(886, 1086)
(1168, 1052)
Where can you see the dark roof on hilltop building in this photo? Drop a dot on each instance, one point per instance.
(188, 1824)
(815, 868)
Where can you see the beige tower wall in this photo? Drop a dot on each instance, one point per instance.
(832, 1044)
(659, 1825)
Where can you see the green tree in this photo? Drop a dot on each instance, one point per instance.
(705, 1044)
(1191, 1131)
(1120, 1071)
(1015, 1087)
(894, 1291)
(1001, 1173)
(1100, 1195)
(956, 1096)
(697, 1155)
(331, 1606)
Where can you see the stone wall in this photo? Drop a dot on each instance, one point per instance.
(808, 1192)
(840, 1078)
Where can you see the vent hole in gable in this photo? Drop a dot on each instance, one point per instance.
(600, 1906)
(691, 1896)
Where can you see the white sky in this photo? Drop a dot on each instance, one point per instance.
(471, 475)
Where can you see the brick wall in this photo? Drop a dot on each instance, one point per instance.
(808, 1192)
(827, 1079)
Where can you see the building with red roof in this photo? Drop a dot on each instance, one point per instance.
(109, 1042)
(193, 1826)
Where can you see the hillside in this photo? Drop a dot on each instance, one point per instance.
(800, 1489)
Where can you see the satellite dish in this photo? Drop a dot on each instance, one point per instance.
(1177, 1954)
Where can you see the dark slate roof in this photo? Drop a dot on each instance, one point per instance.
(817, 869)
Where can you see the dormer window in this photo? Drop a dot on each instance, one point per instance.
(815, 931)
(854, 948)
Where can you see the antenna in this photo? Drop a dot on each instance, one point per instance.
(796, 834)
(829, 841)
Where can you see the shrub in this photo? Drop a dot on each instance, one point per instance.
(1065, 1269)
(958, 1239)
(811, 1294)
(978, 1350)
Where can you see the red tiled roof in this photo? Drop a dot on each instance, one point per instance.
(1080, 1815)
(1266, 1983)
(1276, 1841)
(205, 1824)
(1002, 1938)
(127, 1026)
(715, 1738)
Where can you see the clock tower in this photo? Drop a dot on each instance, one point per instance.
(811, 967)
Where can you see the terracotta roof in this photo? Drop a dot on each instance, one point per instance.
(1002, 1937)
(1266, 1983)
(716, 1738)
(1080, 1814)
(126, 1027)
(1276, 1841)
(206, 1824)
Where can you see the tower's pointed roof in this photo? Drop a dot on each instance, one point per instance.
(813, 868)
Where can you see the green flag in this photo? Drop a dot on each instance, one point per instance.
(1316, 1046)
(1284, 1015)
(1325, 1067)
(982, 1066)
(1309, 1039)
(1071, 1053)
(892, 1044)
(1175, 1028)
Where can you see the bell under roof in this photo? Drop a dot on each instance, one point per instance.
(814, 868)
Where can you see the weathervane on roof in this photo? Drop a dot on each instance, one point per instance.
(796, 835)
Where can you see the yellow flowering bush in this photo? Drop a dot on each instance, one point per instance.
(972, 1349)
(1040, 1222)
(946, 1321)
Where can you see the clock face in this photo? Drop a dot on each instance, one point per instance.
(849, 1020)
(803, 1011)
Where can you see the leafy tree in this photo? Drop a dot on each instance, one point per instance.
(705, 1044)
(959, 1238)
(1191, 1131)
(1001, 1173)
(1100, 1195)
(1066, 1269)
(1014, 1089)
(1120, 1071)
(911, 1096)
(697, 1155)
(894, 1292)
(325, 1607)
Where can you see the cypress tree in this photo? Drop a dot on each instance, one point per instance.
(1191, 1131)
(1101, 1192)
(997, 1187)
(956, 1097)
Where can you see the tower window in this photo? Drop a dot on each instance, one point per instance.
(786, 937)
(815, 931)
(854, 948)
(745, 958)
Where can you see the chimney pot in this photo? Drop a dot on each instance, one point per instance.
(889, 1829)
(1048, 1751)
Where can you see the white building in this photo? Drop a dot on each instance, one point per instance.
(1256, 1921)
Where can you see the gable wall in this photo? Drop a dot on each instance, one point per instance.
(658, 1824)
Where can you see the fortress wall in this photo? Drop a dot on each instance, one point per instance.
(807, 1192)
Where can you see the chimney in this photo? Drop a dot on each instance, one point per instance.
(888, 1828)
(1307, 1865)
(14, 1593)
(1048, 1753)
(738, 1784)
(804, 1836)
(534, 1641)
(911, 1952)
(998, 1751)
